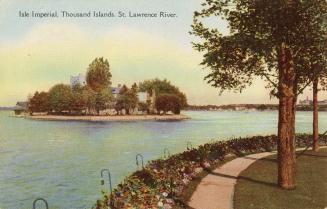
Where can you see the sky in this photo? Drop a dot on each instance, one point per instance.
(36, 53)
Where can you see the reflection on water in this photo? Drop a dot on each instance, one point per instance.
(61, 161)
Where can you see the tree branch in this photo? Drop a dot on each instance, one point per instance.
(314, 76)
(272, 82)
(300, 91)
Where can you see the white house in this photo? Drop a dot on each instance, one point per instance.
(142, 96)
(115, 90)
(79, 79)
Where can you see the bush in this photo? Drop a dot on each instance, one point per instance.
(168, 102)
(144, 107)
(163, 87)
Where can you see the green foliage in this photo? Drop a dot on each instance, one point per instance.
(135, 88)
(127, 99)
(80, 98)
(259, 30)
(102, 99)
(144, 106)
(98, 74)
(60, 98)
(168, 102)
(163, 87)
(39, 102)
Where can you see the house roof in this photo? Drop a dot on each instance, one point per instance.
(22, 104)
(115, 90)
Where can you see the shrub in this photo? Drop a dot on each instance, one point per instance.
(168, 102)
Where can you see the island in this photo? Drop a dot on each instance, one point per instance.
(92, 97)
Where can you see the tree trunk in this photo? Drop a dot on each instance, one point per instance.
(315, 145)
(286, 119)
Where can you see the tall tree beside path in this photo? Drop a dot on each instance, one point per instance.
(98, 75)
(315, 130)
(315, 56)
(315, 125)
(265, 40)
(316, 61)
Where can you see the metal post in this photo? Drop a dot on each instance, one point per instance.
(110, 185)
(40, 199)
(109, 177)
(137, 161)
(166, 153)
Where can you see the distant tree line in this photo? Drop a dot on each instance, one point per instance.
(260, 107)
(97, 95)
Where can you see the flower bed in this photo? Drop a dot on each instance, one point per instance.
(161, 182)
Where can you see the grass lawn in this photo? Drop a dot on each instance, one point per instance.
(256, 188)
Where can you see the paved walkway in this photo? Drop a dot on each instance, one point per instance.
(216, 190)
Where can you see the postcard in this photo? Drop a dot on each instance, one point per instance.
(163, 104)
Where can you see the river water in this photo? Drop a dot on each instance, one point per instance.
(61, 161)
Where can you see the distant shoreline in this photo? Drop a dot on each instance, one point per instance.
(250, 107)
(117, 118)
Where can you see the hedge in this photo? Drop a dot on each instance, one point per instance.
(161, 182)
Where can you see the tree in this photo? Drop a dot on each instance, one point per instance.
(168, 102)
(39, 102)
(144, 107)
(80, 98)
(314, 58)
(98, 75)
(102, 100)
(318, 61)
(163, 87)
(91, 100)
(315, 135)
(60, 98)
(134, 88)
(265, 40)
(127, 99)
